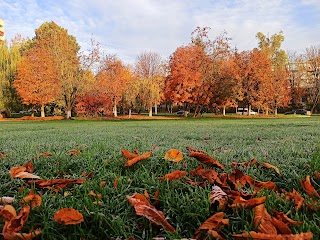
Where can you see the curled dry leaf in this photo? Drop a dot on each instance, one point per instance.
(56, 184)
(16, 223)
(174, 175)
(68, 216)
(215, 222)
(308, 188)
(208, 174)
(138, 198)
(218, 196)
(239, 179)
(263, 221)
(173, 155)
(29, 167)
(264, 236)
(8, 212)
(6, 200)
(137, 159)
(15, 170)
(206, 159)
(280, 226)
(34, 199)
(284, 218)
(21, 236)
(268, 185)
(268, 165)
(128, 155)
(244, 164)
(240, 202)
(74, 152)
(215, 234)
(154, 215)
(296, 197)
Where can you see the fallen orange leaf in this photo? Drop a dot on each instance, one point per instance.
(68, 216)
(284, 218)
(91, 193)
(35, 199)
(128, 155)
(103, 183)
(45, 154)
(263, 221)
(215, 222)
(56, 184)
(16, 223)
(15, 170)
(174, 175)
(115, 183)
(240, 202)
(154, 215)
(137, 159)
(268, 185)
(244, 164)
(74, 152)
(308, 188)
(21, 236)
(296, 197)
(239, 179)
(8, 212)
(206, 159)
(268, 165)
(264, 236)
(173, 155)
(146, 194)
(29, 167)
(138, 198)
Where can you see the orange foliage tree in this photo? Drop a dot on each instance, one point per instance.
(112, 79)
(37, 81)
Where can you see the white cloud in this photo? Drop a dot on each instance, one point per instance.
(128, 27)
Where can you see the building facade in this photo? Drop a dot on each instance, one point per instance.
(2, 35)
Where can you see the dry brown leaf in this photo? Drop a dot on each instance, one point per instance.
(16, 223)
(138, 159)
(68, 216)
(239, 179)
(296, 197)
(191, 149)
(26, 175)
(8, 212)
(263, 236)
(240, 202)
(6, 200)
(115, 183)
(137, 198)
(263, 221)
(215, 222)
(244, 164)
(56, 184)
(154, 215)
(208, 174)
(35, 199)
(218, 196)
(21, 236)
(128, 155)
(268, 185)
(308, 188)
(29, 167)
(284, 218)
(280, 226)
(74, 152)
(173, 155)
(174, 175)
(215, 234)
(206, 159)
(268, 165)
(15, 170)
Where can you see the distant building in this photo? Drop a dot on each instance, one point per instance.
(2, 36)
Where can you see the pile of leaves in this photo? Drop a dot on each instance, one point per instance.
(230, 192)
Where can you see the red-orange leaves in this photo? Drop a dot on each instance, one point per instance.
(56, 184)
(174, 175)
(206, 159)
(34, 199)
(16, 223)
(151, 213)
(8, 212)
(21, 236)
(23, 172)
(68, 216)
(239, 179)
(128, 155)
(296, 197)
(214, 223)
(144, 208)
(173, 155)
(268, 165)
(138, 158)
(263, 221)
(240, 202)
(308, 188)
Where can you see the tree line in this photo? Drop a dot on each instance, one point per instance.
(49, 71)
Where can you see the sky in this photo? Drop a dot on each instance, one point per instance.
(129, 27)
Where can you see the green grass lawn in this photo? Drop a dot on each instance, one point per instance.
(291, 144)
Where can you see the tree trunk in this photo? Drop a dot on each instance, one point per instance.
(115, 111)
(68, 116)
(150, 111)
(42, 111)
(155, 108)
(267, 111)
(224, 110)
(249, 110)
(276, 111)
(129, 112)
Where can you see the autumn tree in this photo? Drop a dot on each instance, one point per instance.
(279, 91)
(64, 49)
(10, 56)
(256, 75)
(149, 69)
(312, 58)
(112, 79)
(130, 95)
(37, 81)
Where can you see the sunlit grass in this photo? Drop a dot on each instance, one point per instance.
(292, 144)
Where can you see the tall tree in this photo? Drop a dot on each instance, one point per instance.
(149, 68)
(279, 94)
(64, 50)
(312, 58)
(112, 80)
(37, 81)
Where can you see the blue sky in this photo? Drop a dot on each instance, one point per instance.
(129, 27)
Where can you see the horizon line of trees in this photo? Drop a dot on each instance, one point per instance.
(50, 70)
